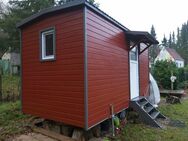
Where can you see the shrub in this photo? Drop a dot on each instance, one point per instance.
(186, 73)
(182, 85)
(162, 72)
(181, 75)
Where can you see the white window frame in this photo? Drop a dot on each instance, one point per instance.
(43, 44)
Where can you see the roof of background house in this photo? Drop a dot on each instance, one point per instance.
(174, 54)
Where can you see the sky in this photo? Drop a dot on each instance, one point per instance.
(140, 15)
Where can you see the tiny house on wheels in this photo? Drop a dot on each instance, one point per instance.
(77, 61)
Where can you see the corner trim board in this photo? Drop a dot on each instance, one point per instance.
(128, 43)
(85, 69)
(20, 32)
(139, 70)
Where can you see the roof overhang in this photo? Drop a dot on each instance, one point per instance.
(141, 37)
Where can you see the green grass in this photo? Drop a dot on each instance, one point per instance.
(177, 111)
(10, 85)
(140, 132)
(12, 121)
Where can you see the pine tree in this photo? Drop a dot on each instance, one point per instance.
(153, 31)
(164, 42)
(178, 43)
(173, 40)
(184, 42)
(153, 49)
(170, 41)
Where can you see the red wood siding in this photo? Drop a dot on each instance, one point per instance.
(144, 73)
(108, 75)
(55, 89)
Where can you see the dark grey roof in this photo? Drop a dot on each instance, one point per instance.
(142, 36)
(71, 4)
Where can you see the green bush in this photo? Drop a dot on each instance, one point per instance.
(181, 75)
(186, 73)
(162, 72)
(182, 85)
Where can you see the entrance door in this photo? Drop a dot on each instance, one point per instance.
(134, 77)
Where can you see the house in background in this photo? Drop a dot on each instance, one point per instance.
(78, 63)
(170, 54)
(12, 59)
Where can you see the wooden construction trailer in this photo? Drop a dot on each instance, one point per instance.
(77, 61)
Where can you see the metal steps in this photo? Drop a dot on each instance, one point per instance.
(147, 113)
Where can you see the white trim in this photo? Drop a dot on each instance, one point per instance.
(43, 44)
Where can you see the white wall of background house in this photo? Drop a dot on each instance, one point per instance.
(14, 59)
(179, 63)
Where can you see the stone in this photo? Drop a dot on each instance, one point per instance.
(78, 135)
(66, 130)
(96, 131)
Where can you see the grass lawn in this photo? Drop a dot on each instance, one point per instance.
(140, 132)
(10, 85)
(12, 121)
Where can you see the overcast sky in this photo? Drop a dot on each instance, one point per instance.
(165, 15)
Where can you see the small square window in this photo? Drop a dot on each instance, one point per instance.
(48, 44)
(133, 54)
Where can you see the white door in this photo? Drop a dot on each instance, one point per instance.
(134, 77)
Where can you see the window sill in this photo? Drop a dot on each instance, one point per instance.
(48, 59)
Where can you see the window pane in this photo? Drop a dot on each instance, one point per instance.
(49, 44)
(133, 56)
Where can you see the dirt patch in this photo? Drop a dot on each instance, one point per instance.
(40, 137)
(171, 123)
(177, 123)
(33, 137)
